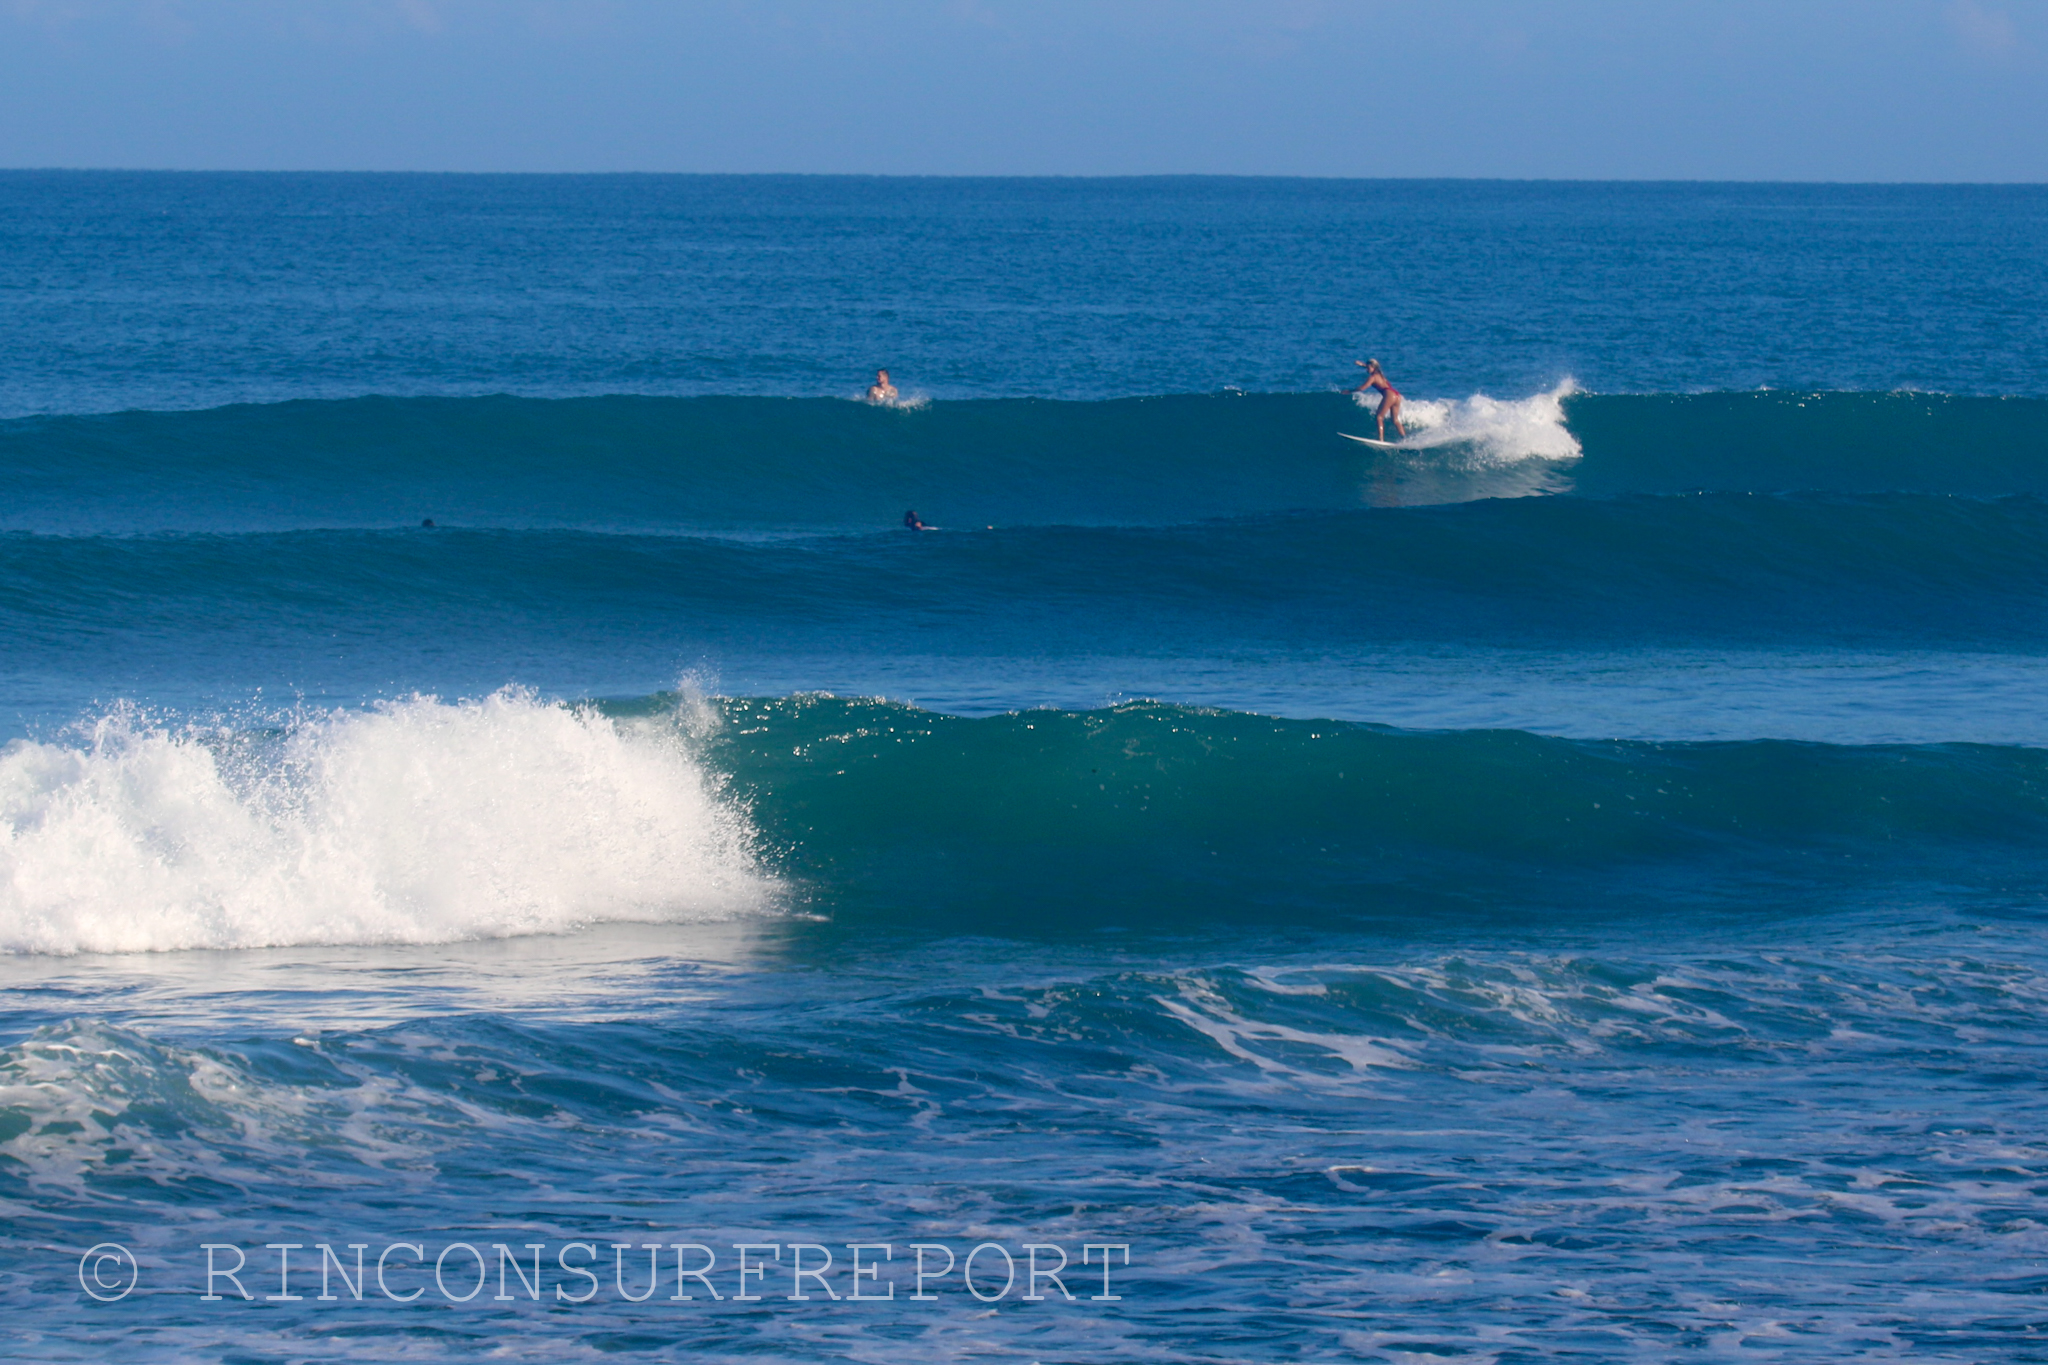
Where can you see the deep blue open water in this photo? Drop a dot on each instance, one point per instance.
(488, 782)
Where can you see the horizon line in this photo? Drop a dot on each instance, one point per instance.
(1041, 175)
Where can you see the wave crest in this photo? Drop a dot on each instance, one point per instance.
(418, 821)
(1491, 431)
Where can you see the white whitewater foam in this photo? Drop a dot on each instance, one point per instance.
(910, 400)
(1486, 430)
(419, 821)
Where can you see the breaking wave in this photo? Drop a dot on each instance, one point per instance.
(417, 821)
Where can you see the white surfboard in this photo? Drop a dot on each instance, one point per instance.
(1369, 441)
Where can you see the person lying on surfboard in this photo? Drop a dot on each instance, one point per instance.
(881, 391)
(1390, 399)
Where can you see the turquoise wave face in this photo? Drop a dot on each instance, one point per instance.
(1160, 818)
(756, 466)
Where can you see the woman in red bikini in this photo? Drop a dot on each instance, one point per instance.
(1390, 400)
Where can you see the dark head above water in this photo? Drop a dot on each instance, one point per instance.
(428, 523)
(911, 523)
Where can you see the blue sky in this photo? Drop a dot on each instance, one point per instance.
(1745, 89)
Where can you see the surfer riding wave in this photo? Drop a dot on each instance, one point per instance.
(1390, 398)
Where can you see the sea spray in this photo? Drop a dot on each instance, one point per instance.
(1480, 430)
(414, 821)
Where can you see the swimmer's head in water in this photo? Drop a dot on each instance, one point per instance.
(1372, 365)
(881, 376)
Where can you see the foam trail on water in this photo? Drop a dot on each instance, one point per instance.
(1487, 430)
(419, 821)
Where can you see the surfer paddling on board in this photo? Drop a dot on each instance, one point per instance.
(1390, 399)
(881, 391)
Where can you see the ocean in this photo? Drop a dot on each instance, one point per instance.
(510, 850)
